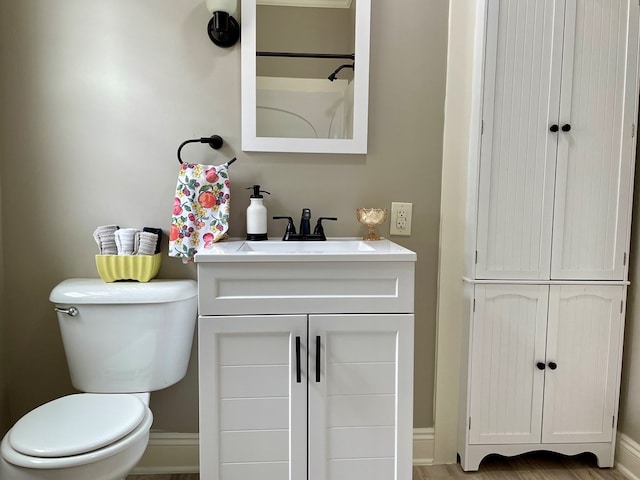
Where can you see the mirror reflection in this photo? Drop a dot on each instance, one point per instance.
(305, 75)
(305, 60)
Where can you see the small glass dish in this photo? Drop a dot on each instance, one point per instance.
(371, 217)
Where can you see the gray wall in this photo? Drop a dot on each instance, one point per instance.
(96, 97)
(4, 399)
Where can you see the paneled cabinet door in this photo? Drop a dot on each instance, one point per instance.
(584, 343)
(596, 147)
(360, 394)
(507, 353)
(253, 397)
(557, 148)
(517, 158)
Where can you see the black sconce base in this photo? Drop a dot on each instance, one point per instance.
(227, 38)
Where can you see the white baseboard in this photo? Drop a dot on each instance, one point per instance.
(628, 457)
(423, 446)
(178, 452)
(170, 453)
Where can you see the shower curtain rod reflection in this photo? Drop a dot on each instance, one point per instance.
(347, 56)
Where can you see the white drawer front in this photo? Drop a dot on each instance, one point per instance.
(305, 287)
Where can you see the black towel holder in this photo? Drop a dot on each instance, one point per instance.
(214, 141)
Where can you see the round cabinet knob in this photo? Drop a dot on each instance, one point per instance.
(566, 127)
(553, 128)
(553, 365)
(540, 365)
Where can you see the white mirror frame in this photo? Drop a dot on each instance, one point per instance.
(357, 144)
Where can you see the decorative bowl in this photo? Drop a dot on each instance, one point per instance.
(371, 217)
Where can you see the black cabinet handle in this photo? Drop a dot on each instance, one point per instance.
(298, 369)
(540, 365)
(553, 365)
(318, 358)
(553, 128)
(566, 127)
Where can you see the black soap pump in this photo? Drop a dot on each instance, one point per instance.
(257, 215)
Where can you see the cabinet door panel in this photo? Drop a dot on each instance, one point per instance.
(253, 411)
(371, 469)
(584, 340)
(359, 410)
(508, 340)
(361, 442)
(262, 446)
(361, 379)
(253, 380)
(595, 158)
(358, 418)
(517, 156)
(253, 471)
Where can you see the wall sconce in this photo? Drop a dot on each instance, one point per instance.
(223, 29)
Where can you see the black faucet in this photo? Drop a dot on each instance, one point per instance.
(305, 228)
(305, 222)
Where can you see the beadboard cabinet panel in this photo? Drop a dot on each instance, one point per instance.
(544, 369)
(558, 140)
(595, 157)
(517, 166)
(509, 332)
(584, 341)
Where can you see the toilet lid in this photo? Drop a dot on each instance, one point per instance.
(76, 424)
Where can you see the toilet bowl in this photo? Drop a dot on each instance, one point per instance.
(102, 435)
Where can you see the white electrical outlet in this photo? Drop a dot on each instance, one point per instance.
(400, 218)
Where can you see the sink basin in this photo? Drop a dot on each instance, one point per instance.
(336, 249)
(329, 246)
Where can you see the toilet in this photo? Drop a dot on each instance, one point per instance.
(122, 341)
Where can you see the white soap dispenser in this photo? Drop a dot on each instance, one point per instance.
(257, 215)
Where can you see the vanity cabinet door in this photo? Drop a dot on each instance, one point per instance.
(253, 397)
(360, 397)
(584, 344)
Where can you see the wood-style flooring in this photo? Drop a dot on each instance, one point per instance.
(534, 466)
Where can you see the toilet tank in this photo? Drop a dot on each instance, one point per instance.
(126, 337)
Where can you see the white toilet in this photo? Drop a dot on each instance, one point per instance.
(122, 340)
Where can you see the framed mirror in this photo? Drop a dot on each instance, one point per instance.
(305, 75)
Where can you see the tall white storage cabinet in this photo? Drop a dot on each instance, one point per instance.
(548, 226)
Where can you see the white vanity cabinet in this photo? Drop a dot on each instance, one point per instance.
(551, 165)
(322, 394)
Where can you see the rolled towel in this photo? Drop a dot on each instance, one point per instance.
(127, 241)
(104, 236)
(148, 243)
(158, 232)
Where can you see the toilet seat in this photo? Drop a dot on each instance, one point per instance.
(76, 424)
(17, 458)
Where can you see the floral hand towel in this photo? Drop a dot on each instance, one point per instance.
(200, 209)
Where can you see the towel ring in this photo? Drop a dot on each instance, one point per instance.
(214, 141)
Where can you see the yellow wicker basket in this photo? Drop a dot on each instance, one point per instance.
(128, 267)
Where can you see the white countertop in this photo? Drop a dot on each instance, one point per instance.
(338, 249)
